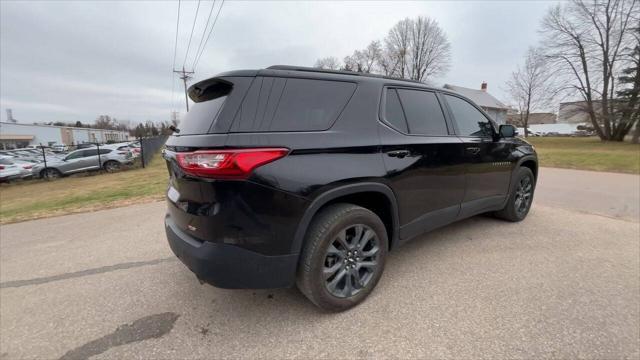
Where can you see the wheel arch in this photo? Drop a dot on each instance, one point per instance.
(41, 173)
(367, 195)
(530, 162)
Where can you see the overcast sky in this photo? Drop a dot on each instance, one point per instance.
(69, 61)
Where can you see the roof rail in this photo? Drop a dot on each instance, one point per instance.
(339, 72)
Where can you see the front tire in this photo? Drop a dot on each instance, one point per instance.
(50, 173)
(343, 258)
(520, 197)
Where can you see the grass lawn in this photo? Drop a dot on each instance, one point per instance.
(588, 153)
(40, 198)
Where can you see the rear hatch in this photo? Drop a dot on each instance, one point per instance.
(193, 198)
(237, 124)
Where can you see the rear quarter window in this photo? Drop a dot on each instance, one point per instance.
(289, 104)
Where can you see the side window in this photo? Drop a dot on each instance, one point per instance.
(75, 155)
(289, 104)
(92, 152)
(470, 121)
(105, 151)
(423, 112)
(393, 113)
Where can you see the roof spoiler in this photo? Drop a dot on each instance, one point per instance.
(209, 89)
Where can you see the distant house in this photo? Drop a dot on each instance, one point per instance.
(534, 119)
(494, 107)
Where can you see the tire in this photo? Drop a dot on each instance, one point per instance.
(331, 246)
(50, 173)
(522, 190)
(111, 166)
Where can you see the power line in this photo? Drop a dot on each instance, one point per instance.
(175, 46)
(213, 5)
(175, 51)
(198, 56)
(195, 18)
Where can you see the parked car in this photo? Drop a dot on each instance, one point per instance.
(290, 175)
(108, 158)
(27, 166)
(58, 148)
(135, 149)
(84, 146)
(11, 169)
(31, 155)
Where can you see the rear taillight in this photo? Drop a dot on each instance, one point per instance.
(227, 164)
(27, 167)
(1, 167)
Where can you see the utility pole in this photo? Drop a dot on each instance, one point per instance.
(185, 75)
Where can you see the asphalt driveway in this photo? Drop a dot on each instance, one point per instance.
(562, 284)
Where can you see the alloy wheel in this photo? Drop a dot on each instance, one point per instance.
(111, 167)
(351, 260)
(524, 193)
(52, 174)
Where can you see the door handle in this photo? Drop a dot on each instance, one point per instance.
(398, 153)
(473, 150)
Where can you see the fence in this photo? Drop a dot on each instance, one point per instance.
(149, 147)
(58, 160)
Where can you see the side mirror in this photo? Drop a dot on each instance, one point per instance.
(507, 131)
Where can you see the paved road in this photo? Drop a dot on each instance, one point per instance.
(615, 195)
(561, 284)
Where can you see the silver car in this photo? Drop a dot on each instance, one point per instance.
(11, 169)
(109, 158)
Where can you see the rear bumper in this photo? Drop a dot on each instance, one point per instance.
(228, 266)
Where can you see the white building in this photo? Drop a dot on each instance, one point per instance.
(15, 135)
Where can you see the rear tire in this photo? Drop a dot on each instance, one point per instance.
(520, 197)
(343, 257)
(111, 166)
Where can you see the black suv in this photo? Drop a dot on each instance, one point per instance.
(292, 175)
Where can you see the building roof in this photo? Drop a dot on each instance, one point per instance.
(480, 97)
(60, 127)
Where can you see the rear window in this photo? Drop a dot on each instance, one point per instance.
(6, 161)
(203, 114)
(287, 104)
(423, 112)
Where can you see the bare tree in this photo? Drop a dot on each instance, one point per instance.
(531, 86)
(329, 63)
(430, 50)
(365, 60)
(417, 49)
(585, 43)
(398, 43)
